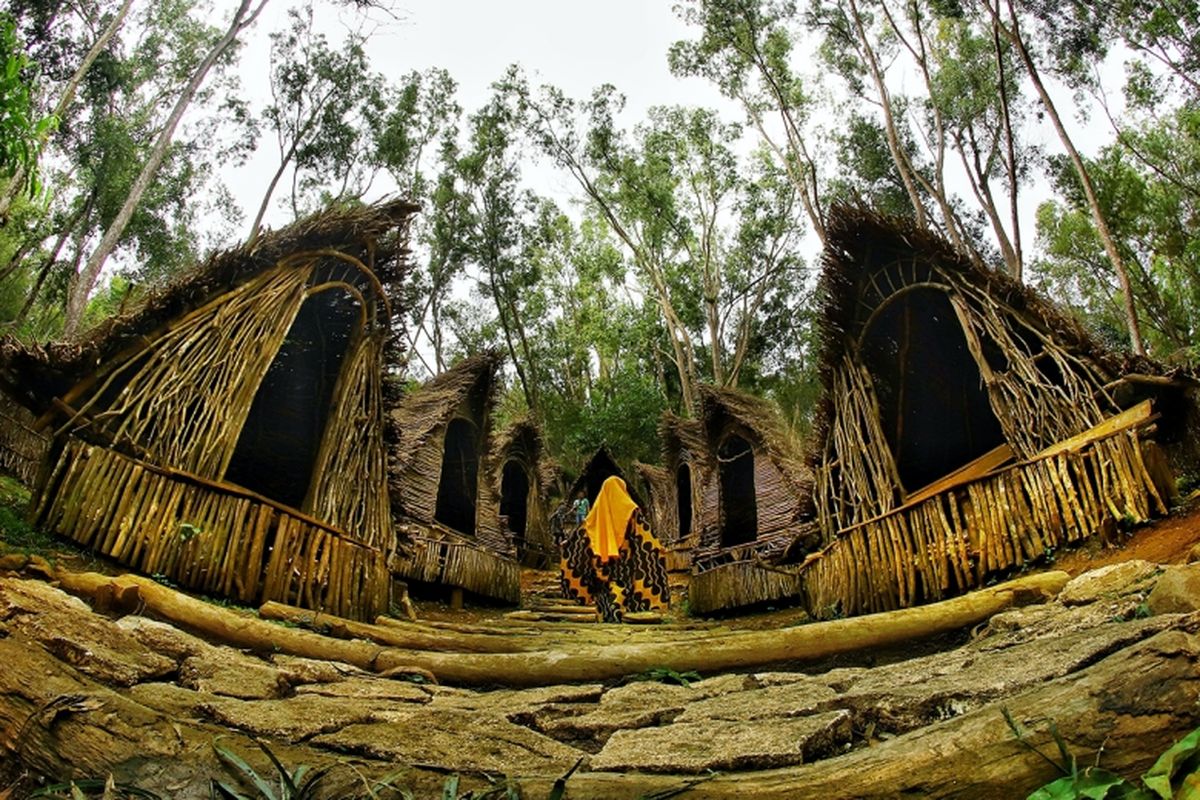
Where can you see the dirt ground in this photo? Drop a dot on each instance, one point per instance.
(1167, 541)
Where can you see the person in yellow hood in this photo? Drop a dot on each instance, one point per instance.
(613, 560)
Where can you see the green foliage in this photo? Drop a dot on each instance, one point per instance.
(1176, 773)
(1149, 192)
(20, 125)
(669, 676)
(299, 784)
(15, 532)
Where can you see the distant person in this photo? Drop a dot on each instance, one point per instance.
(613, 560)
(581, 507)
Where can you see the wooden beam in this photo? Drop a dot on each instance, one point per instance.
(1138, 415)
(978, 468)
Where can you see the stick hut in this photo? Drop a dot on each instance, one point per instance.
(521, 476)
(599, 468)
(966, 426)
(448, 515)
(740, 471)
(228, 434)
(22, 446)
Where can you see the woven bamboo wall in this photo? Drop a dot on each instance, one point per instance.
(209, 538)
(662, 512)
(192, 391)
(349, 489)
(777, 499)
(22, 449)
(438, 556)
(958, 539)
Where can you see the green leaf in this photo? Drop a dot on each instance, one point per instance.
(1178, 763)
(560, 785)
(284, 776)
(1092, 783)
(450, 788)
(219, 789)
(233, 759)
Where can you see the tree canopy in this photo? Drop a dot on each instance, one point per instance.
(685, 252)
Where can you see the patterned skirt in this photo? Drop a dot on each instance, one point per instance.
(636, 580)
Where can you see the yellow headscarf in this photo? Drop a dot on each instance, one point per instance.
(608, 519)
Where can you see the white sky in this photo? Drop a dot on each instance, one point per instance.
(572, 44)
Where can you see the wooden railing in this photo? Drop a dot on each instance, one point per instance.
(209, 537)
(959, 538)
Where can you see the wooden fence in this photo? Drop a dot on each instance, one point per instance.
(210, 537)
(957, 539)
(438, 555)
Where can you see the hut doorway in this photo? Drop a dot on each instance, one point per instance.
(739, 504)
(514, 500)
(683, 491)
(459, 480)
(934, 407)
(277, 448)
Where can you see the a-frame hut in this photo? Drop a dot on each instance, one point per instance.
(521, 476)
(966, 425)
(662, 512)
(599, 468)
(740, 478)
(228, 434)
(448, 517)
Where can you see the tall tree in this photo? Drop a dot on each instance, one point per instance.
(23, 175)
(243, 17)
(746, 47)
(1012, 31)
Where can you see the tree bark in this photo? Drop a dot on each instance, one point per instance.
(86, 279)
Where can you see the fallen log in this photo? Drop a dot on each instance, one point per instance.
(586, 663)
(411, 638)
(573, 618)
(1121, 712)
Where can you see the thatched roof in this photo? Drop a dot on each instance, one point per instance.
(525, 434)
(763, 419)
(35, 374)
(860, 242)
(678, 434)
(425, 409)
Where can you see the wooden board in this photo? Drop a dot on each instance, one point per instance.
(1140, 414)
(997, 457)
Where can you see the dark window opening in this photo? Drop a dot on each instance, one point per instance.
(934, 407)
(683, 489)
(739, 505)
(459, 479)
(514, 500)
(277, 449)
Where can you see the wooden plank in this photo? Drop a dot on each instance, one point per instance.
(989, 461)
(1138, 415)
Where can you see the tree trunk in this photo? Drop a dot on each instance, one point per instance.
(903, 165)
(1089, 189)
(1017, 267)
(82, 287)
